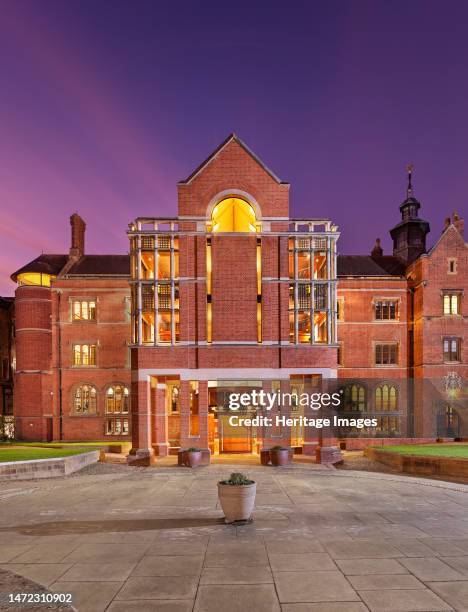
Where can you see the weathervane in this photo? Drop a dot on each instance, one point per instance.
(409, 190)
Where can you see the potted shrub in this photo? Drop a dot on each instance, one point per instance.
(279, 455)
(237, 497)
(194, 456)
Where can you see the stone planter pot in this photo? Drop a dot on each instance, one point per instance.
(279, 456)
(237, 501)
(194, 458)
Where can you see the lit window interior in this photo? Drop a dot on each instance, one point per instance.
(233, 215)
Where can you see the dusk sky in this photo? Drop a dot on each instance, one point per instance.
(105, 105)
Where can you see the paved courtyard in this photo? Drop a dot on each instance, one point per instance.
(127, 539)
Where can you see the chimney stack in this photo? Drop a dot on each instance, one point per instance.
(446, 223)
(78, 227)
(459, 223)
(377, 251)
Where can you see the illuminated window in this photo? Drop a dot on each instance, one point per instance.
(321, 327)
(451, 303)
(84, 310)
(354, 398)
(117, 400)
(194, 409)
(386, 354)
(386, 398)
(34, 278)
(340, 309)
(173, 398)
(452, 349)
(386, 310)
(84, 354)
(233, 215)
(85, 400)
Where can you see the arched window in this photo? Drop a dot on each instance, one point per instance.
(85, 400)
(233, 215)
(355, 398)
(117, 399)
(386, 399)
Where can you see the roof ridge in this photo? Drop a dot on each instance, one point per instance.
(232, 137)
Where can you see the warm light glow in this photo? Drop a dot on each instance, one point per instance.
(233, 215)
(35, 278)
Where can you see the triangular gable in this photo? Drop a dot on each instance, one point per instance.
(219, 149)
(443, 236)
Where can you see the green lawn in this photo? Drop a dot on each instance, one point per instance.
(59, 444)
(23, 453)
(432, 450)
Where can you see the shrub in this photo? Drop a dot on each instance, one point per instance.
(237, 478)
(192, 449)
(278, 448)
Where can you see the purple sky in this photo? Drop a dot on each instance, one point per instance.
(105, 105)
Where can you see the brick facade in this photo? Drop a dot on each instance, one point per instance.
(223, 305)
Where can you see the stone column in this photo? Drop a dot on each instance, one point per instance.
(203, 413)
(161, 423)
(184, 405)
(142, 452)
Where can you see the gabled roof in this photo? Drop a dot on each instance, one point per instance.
(87, 265)
(365, 265)
(436, 244)
(101, 265)
(45, 264)
(232, 138)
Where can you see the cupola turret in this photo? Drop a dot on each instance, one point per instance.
(409, 236)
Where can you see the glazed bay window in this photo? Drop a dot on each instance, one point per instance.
(312, 299)
(84, 310)
(155, 286)
(452, 349)
(452, 302)
(386, 310)
(386, 354)
(84, 354)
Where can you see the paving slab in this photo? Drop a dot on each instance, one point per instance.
(42, 573)
(377, 582)
(237, 575)
(238, 598)
(88, 596)
(454, 593)
(159, 587)
(102, 572)
(417, 600)
(294, 545)
(364, 567)
(458, 563)
(361, 549)
(335, 606)
(153, 605)
(431, 568)
(301, 562)
(313, 587)
(181, 565)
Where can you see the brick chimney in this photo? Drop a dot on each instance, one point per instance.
(458, 223)
(377, 251)
(78, 227)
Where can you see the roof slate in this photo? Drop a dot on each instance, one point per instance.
(365, 265)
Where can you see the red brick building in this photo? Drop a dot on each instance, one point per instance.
(233, 293)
